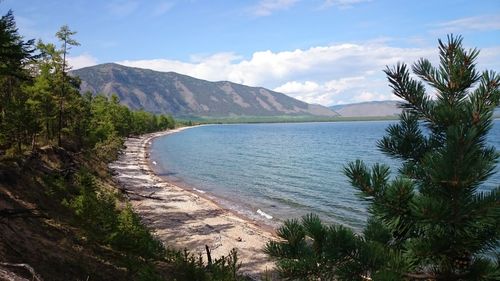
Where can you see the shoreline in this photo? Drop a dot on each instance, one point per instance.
(182, 218)
(197, 192)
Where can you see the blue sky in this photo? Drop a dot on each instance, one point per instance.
(319, 51)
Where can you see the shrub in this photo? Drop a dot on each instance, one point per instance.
(134, 238)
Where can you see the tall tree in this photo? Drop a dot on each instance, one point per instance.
(15, 55)
(433, 221)
(65, 36)
(42, 92)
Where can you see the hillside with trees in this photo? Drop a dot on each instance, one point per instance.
(41, 104)
(61, 215)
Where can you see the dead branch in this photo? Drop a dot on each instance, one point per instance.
(141, 195)
(16, 213)
(25, 266)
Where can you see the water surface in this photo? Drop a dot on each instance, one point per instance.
(279, 170)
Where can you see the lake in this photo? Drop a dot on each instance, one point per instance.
(272, 172)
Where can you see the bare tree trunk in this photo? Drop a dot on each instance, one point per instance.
(47, 128)
(209, 256)
(60, 120)
(19, 140)
(61, 102)
(33, 142)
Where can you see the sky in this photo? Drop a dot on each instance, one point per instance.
(319, 51)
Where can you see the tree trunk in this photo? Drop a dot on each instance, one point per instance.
(47, 128)
(60, 120)
(19, 147)
(33, 142)
(62, 95)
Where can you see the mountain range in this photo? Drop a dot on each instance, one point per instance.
(376, 109)
(185, 96)
(368, 109)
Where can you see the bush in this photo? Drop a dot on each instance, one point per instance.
(97, 215)
(189, 267)
(108, 149)
(310, 250)
(133, 237)
(94, 209)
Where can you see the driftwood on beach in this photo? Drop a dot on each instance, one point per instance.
(183, 219)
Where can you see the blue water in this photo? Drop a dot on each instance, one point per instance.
(282, 170)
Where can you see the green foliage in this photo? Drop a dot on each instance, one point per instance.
(39, 98)
(16, 116)
(97, 214)
(15, 51)
(108, 149)
(309, 250)
(134, 238)
(189, 267)
(166, 122)
(109, 119)
(40, 103)
(43, 100)
(439, 222)
(108, 122)
(147, 272)
(94, 209)
(430, 221)
(56, 186)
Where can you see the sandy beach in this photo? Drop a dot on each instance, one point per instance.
(183, 219)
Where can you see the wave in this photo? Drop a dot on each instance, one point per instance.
(198, 190)
(267, 216)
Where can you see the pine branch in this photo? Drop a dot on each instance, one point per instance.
(411, 91)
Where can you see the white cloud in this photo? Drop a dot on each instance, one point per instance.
(478, 23)
(267, 7)
(80, 61)
(326, 75)
(298, 87)
(326, 93)
(371, 96)
(353, 89)
(489, 58)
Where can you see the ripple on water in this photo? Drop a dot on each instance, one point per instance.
(282, 170)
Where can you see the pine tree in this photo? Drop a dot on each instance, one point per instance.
(432, 221)
(65, 36)
(42, 94)
(15, 56)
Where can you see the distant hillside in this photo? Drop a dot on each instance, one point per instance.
(367, 109)
(376, 109)
(185, 96)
